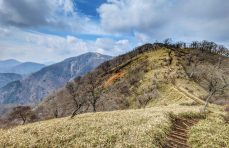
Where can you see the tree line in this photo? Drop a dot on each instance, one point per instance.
(203, 46)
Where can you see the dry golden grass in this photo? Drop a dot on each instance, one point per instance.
(212, 132)
(130, 128)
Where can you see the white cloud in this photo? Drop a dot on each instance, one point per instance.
(40, 47)
(4, 31)
(104, 43)
(128, 15)
(110, 46)
(151, 20)
(71, 39)
(67, 6)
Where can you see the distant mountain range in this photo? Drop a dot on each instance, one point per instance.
(14, 66)
(39, 84)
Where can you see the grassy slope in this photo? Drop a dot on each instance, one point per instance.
(137, 128)
(212, 132)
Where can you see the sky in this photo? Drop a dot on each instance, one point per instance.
(47, 31)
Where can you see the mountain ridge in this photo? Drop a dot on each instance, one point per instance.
(39, 84)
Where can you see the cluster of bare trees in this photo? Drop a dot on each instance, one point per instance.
(210, 47)
(204, 45)
(85, 95)
(169, 43)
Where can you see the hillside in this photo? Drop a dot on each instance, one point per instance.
(6, 78)
(151, 75)
(32, 89)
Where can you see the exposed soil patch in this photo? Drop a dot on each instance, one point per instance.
(113, 78)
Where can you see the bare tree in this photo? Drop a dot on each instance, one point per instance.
(93, 89)
(215, 85)
(167, 42)
(22, 112)
(78, 101)
(222, 50)
(180, 45)
(194, 44)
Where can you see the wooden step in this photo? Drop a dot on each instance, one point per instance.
(177, 142)
(178, 126)
(188, 121)
(178, 138)
(185, 124)
(168, 146)
(181, 129)
(179, 134)
(171, 145)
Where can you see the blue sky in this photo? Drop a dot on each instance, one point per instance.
(44, 30)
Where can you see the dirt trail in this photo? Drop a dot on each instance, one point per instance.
(177, 138)
(187, 94)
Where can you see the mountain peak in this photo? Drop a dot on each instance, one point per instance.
(94, 54)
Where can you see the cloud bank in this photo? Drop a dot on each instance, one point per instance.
(158, 19)
(59, 29)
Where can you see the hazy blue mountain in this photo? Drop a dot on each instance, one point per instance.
(14, 66)
(26, 68)
(39, 84)
(6, 64)
(6, 78)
